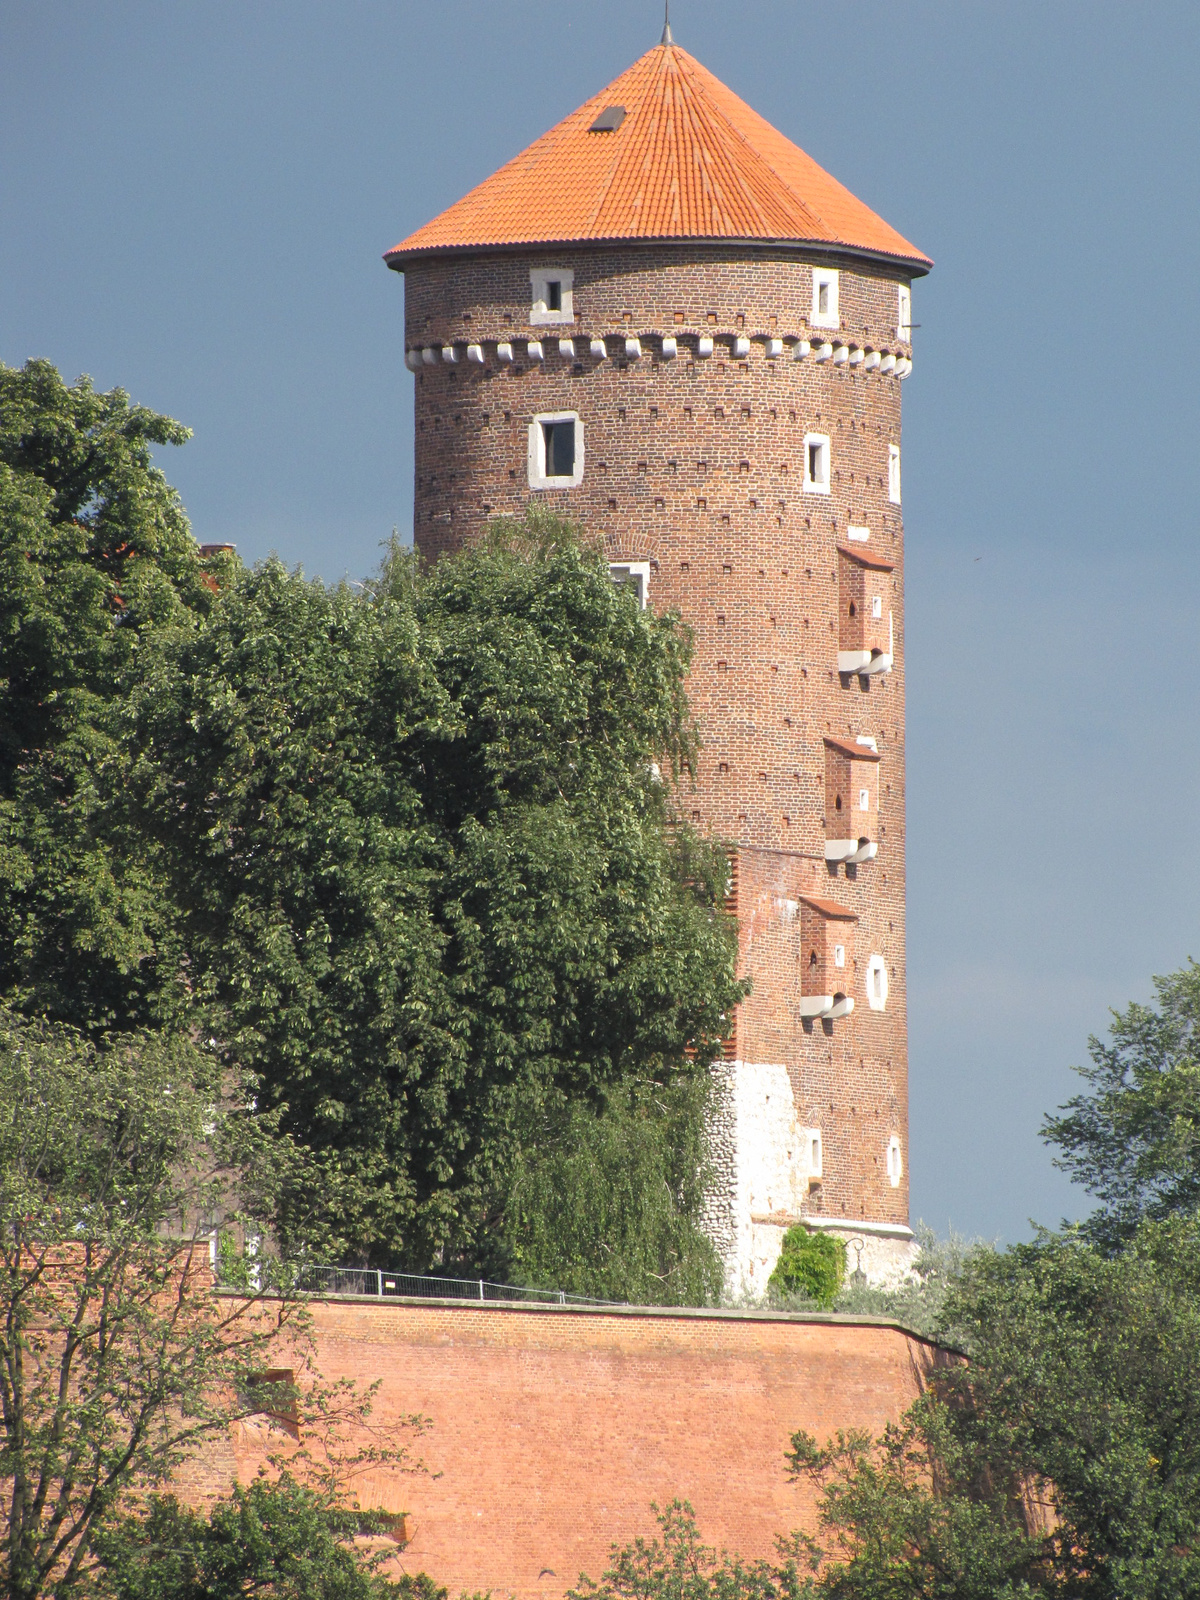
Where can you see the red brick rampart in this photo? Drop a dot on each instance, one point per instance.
(553, 1428)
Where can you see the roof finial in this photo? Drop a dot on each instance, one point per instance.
(666, 34)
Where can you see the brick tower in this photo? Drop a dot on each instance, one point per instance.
(665, 321)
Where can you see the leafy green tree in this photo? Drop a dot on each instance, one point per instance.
(117, 1360)
(274, 1537)
(424, 846)
(605, 1201)
(811, 1265)
(95, 554)
(1133, 1140)
(677, 1566)
(1062, 1459)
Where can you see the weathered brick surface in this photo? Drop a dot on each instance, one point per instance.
(696, 466)
(554, 1428)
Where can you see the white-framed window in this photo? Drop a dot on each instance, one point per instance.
(825, 298)
(904, 314)
(555, 450)
(877, 983)
(858, 535)
(552, 294)
(877, 606)
(814, 1152)
(816, 463)
(894, 474)
(864, 799)
(895, 1163)
(839, 955)
(635, 575)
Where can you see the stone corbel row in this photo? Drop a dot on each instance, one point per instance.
(630, 348)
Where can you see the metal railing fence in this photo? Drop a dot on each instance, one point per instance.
(380, 1284)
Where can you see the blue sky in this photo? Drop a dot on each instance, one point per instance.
(195, 199)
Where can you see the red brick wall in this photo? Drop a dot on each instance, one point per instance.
(696, 466)
(554, 1428)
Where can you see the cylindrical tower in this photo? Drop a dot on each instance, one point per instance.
(666, 322)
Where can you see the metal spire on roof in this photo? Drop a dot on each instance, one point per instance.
(666, 33)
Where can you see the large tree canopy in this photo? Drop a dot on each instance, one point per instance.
(95, 554)
(420, 843)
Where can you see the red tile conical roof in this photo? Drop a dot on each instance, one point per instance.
(689, 160)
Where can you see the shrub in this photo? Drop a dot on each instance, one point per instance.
(810, 1264)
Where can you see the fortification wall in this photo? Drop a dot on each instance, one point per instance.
(553, 1428)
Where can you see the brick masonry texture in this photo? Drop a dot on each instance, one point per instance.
(696, 466)
(554, 1428)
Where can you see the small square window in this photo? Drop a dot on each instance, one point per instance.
(634, 575)
(904, 314)
(816, 463)
(555, 450)
(894, 474)
(825, 298)
(551, 293)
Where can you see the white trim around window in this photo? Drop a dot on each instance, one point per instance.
(894, 474)
(540, 433)
(635, 574)
(551, 291)
(825, 298)
(816, 463)
(904, 314)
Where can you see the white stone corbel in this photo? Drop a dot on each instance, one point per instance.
(429, 356)
(887, 365)
(670, 347)
(903, 367)
(536, 353)
(824, 351)
(840, 849)
(843, 1005)
(566, 347)
(412, 359)
(871, 361)
(801, 349)
(475, 354)
(816, 1005)
(704, 345)
(841, 355)
(504, 351)
(856, 356)
(449, 355)
(633, 347)
(599, 349)
(741, 347)
(867, 850)
(774, 348)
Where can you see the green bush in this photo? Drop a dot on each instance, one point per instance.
(810, 1264)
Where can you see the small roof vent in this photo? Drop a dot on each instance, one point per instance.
(609, 120)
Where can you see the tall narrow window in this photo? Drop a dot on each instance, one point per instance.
(895, 1165)
(894, 474)
(816, 463)
(904, 313)
(554, 294)
(825, 298)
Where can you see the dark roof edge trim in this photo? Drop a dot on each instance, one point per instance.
(918, 266)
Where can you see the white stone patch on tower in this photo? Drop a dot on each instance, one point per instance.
(764, 1161)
